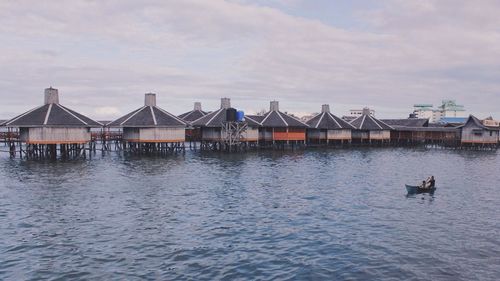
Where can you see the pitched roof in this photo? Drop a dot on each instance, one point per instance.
(257, 118)
(473, 119)
(326, 120)
(251, 121)
(408, 122)
(367, 122)
(212, 119)
(278, 119)
(348, 119)
(192, 115)
(52, 115)
(148, 116)
(215, 118)
(426, 129)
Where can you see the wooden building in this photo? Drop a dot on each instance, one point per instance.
(326, 128)
(218, 132)
(278, 128)
(52, 128)
(151, 129)
(475, 133)
(370, 130)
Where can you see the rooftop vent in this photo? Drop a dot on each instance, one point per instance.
(51, 96)
(197, 106)
(225, 103)
(274, 105)
(150, 99)
(366, 111)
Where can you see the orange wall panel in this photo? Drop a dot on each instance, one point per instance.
(284, 136)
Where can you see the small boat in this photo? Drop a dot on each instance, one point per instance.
(414, 189)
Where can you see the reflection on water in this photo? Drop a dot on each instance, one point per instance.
(316, 214)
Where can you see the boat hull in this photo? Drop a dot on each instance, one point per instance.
(412, 189)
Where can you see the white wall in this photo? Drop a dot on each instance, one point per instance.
(380, 135)
(344, 134)
(55, 135)
(251, 134)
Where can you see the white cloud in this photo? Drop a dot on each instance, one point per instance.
(108, 54)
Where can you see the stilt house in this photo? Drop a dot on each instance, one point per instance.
(475, 133)
(326, 128)
(151, 124)
(370, 130)
(53, 123)
(212, 125)
(193, 134)
(279, 127)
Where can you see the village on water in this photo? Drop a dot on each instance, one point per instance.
(53, 130)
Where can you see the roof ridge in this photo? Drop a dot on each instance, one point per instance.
(153, 115)
(279, 114)
(135, 113)
(71, 114)
(246, 116)
(171, 115)
(331, 117)
(348, 123)
(376, 123)
(192, 122)
(22, 115)
(47, 114)
(188, 114)
(362, 122)
(265, 118)
(319, 121)
(215, 114)
(390, 127)
(296, 119)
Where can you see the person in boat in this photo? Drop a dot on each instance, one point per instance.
(424, 184)
(432, 182)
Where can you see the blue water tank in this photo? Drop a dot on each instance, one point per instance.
(240, 115)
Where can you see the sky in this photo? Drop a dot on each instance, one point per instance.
(386, 54)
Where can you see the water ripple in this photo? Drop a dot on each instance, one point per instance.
(314, 215)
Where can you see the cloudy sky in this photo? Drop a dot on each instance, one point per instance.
(386, 54)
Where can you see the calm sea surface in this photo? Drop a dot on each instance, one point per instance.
(307, 215)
